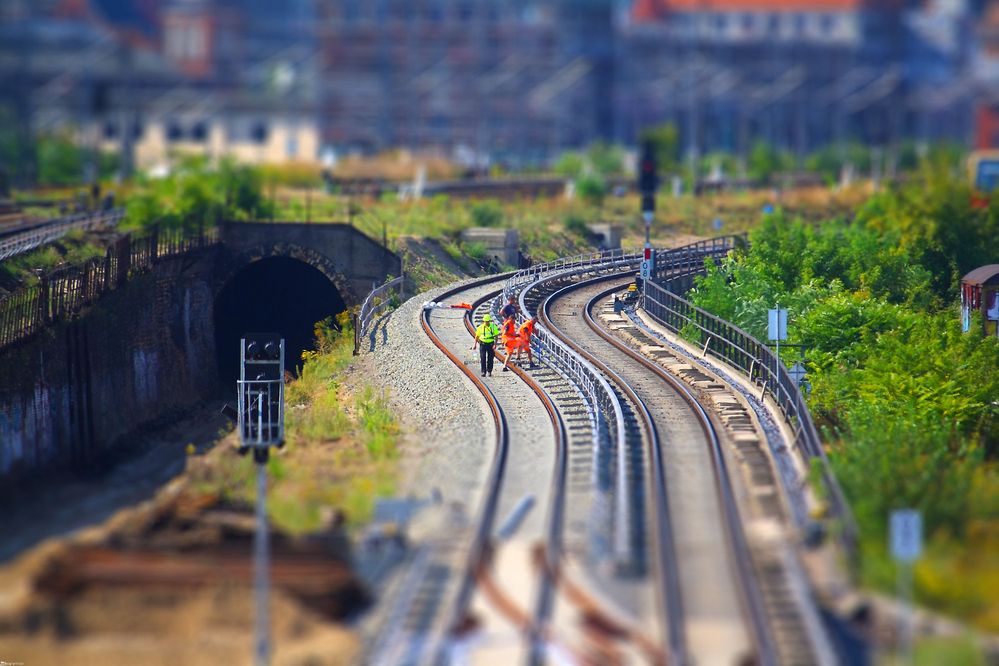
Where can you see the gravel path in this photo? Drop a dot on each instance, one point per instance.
(449, 431)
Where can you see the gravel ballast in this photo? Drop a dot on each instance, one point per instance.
(449, 432)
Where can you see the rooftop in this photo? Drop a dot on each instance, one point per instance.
(988, 274)
(645, 10)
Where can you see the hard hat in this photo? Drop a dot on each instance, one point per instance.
(487, 317)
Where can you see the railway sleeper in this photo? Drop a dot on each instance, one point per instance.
(762, 504)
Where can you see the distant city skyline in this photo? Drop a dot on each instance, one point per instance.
(515, 81)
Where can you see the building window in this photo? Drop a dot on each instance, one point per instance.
(199, 131)
(747, 22)
(799, 24)
(773, 24)
(826, 24)
(291, 147)
(110, 131)
(720, 21)
(174, 132)
(259, 132)
(137, 130)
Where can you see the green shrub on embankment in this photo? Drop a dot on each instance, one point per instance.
(196, 195)
(908, 404)
(341, 446)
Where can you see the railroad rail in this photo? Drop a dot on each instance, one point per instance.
(475, 577)
(18, 242)
(625, 429)
(738, 349)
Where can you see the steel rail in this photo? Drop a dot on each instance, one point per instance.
(487, 514)
(556, 510)
(480, 552)
(21, 241)
(668, 573)
(754, 607)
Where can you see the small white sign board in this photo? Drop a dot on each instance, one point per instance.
(797, 373)
(906, 535)
(777, 324)
(646, 269)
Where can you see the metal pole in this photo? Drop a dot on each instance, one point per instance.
(262, 646)
(906, 613)
(777, 368)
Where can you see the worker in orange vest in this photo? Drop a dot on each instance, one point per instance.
(524, 341)
(510, 339)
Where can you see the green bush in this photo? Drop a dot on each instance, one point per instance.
(486, 214)
(196, 195)
(576, 224)
(591, 189)
(907, 402)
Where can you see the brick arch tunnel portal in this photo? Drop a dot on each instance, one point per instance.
(273, 294)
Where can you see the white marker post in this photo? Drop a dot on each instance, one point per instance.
(906, 535)
(777, 327)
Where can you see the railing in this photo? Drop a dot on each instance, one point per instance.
(606, 415)
(63, 293)
(760, 365)
(605, 259)
(53, 229)
(372, 305)
(675, 269)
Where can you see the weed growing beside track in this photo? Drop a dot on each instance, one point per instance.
(340, 450)
(905, 399)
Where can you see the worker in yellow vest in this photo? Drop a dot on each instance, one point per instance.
(485, 336)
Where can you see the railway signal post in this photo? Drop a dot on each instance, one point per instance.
(261, 426)
(648, 182)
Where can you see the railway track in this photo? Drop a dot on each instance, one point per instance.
(731, 586)
(642, 555)
(498, 589)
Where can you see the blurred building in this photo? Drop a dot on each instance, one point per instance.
(798, 74)
(516, 81)
(508, 78)
(155, 79)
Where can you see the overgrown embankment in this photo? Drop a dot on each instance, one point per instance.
(340, 449)
(906, 401)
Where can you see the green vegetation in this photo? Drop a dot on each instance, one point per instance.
(73, 249)
(906, 401)
(196, 195)
(340, 446)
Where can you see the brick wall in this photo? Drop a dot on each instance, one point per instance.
(142, 351)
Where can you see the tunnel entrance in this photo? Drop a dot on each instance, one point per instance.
(278, 294)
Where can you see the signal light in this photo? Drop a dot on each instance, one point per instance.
(648, 179)
(261, 393)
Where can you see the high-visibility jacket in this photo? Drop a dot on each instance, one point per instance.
(509, 329)
(486, 332)
(527, 329)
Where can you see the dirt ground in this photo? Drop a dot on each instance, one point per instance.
(136, 567)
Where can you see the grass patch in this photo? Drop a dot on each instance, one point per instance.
(340, 447)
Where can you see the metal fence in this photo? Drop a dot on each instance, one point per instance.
(373, 304)
(675, 269)
(61, 294)
(47, 232)
(606, 413)
(760, 365)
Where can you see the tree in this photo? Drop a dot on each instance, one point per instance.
(765, 161)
